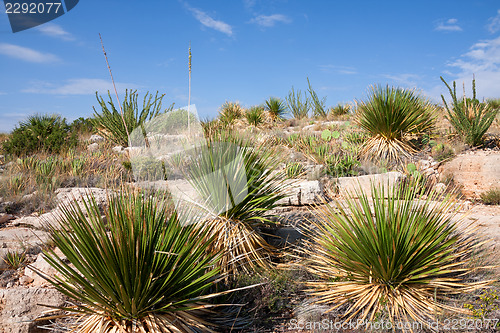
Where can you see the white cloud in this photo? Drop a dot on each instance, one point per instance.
(494, 23)
(249, 4)
(77, 87)
(406, 79)
(338, 69)
(483, 61)
(3, 93)
(270, 20)
(54, 30)
(448, 25)
(27, 54)
(209, 22)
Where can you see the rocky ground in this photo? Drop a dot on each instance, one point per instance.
(24, 294)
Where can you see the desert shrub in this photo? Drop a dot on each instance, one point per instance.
(111, 125)
(318, 106)
(138, 269)
(239, 189)
(15, 259)
(470, 118)
(83, 125)
(390, 255)
(442, 151)
(391, 115)
(146, 168)
(276, 108)
(40, 133)
(254, 115)
(230, 111)
(298, 104)
(491, 197)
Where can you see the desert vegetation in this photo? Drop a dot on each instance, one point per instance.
(221, 257)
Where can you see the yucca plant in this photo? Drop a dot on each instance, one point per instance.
(255, 115)
(238, 188)
(470, 118)
(110, 123)
(137, 269)
(230, 112)
(391, 116)
(390, 256)
(276, 108)
(15, 259)
(318, 105)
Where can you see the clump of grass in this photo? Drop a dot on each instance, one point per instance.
(391, 116)
(470, 118)
(15, 259)
(294, 170)
(442, 151)
(340, 110)
(491, 197)
(390, 255)
(298, 104)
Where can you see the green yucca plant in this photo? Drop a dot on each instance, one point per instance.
(239, 188)
(230, 112)
(391, 115)
(137, 269)
(276, 108)
(470, 118)
(110, 123)
(294, 170)
(15, 259)
(390, 255)
(255, 115)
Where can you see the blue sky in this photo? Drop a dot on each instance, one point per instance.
(246, 51)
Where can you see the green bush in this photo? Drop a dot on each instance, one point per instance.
(470, 118)
(254, 115)
(441, 152)
(112, 126)
(230, 112)
(137, 269)
(276, 108)
(391, 115)
(40, 133)
(298, 106)
(83, 125)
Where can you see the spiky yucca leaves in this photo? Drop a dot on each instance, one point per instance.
(390, 255)
(391, 115)
(276, 108)
(135, 270)
(239, 187)
(470, 118)
(255, 115)
(111, 124)
(230, 112)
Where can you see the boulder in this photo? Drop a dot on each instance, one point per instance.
(351, 185)
(21, 305)
(93, 146)
(475, 172)
(96, 138)
(41, 265)
(304, 192)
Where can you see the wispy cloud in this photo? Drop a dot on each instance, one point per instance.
(406, 79)
(249, 4)
(270, 20)
(81, 86)
(56, 31)
(483, 61)
(3, 93)
(209, 22)
(449, 25)
(27, 54)
(338, 69)
(494, 23)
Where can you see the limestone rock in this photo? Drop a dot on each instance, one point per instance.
(93, 146)
(476, 173)
(96, 138)
(304, 192)
(21, 306)
(351, 185)
(41, 265)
